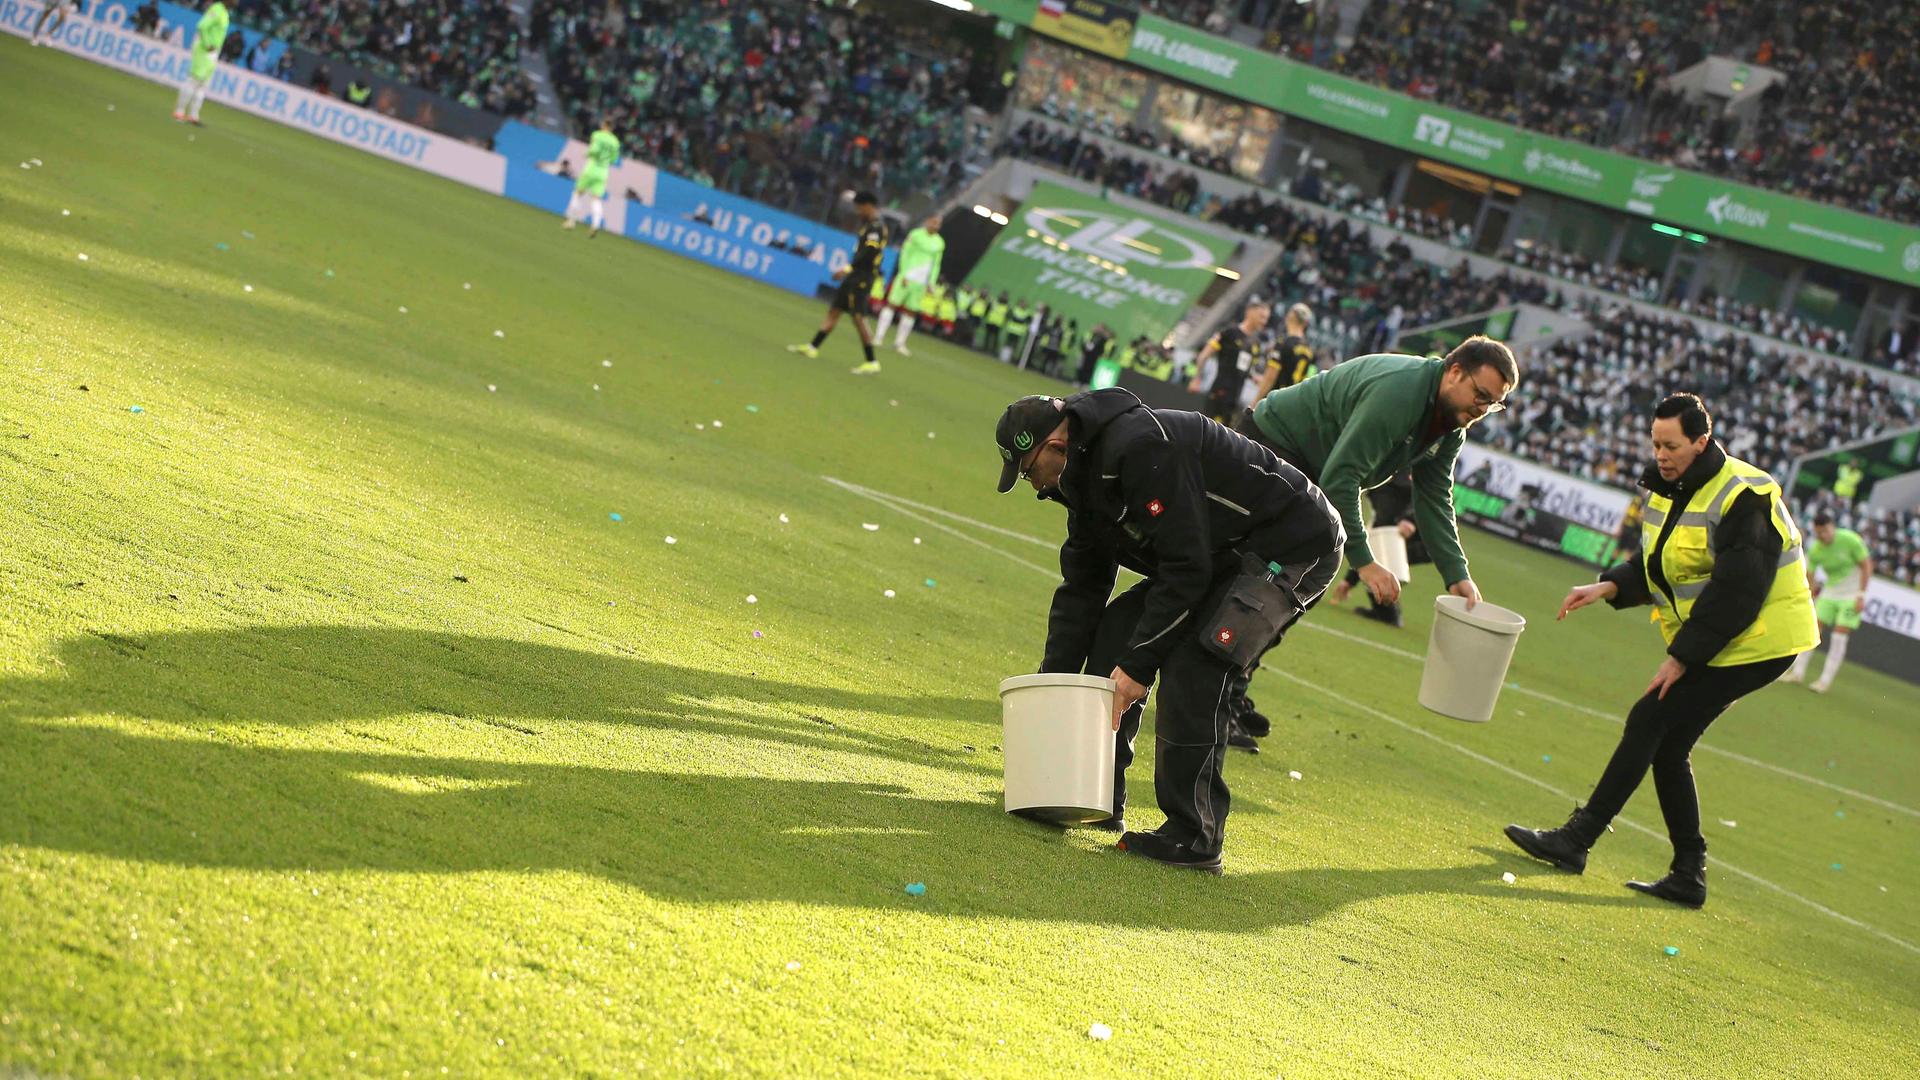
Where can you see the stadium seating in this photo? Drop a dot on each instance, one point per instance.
(467, 50)
(783, 101)
(1844, 128)
(1583, 403)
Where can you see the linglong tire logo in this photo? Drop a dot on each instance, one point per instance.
(1119, 238)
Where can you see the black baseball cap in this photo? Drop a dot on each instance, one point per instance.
(1024, 425)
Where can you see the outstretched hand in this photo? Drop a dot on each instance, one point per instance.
(1581, 595)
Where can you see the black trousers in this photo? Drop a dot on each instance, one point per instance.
(1661, 733)
(1195, 690)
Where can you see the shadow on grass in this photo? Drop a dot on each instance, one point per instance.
(682, 836)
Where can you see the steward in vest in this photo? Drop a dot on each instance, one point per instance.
(1720, 561)
(947, 311)
(996, 322)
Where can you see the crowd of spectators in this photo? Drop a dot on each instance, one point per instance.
(466, 50)
(779, 100)
(1624, 280)
(1583, 403)
(1842, 127)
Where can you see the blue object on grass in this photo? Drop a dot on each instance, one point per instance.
(930, 583)
(1671, 951)
(135, 408)
(1837, 866)
(613, 517)
(917, 889)
(221, 246)
(1546, 757)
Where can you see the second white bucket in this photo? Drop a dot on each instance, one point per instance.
(1467, 657)
(1390, 551)
(1057, 731)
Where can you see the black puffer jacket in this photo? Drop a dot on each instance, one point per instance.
(1169, 495)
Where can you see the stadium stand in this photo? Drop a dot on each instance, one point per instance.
(467, 50)
(1842, 128)
(1583, 402)
(781, 101)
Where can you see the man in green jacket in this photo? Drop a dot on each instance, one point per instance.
(208, 38)
(1369, 419)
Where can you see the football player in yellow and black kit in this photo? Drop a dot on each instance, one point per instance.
(1292, 360)
(1235, 351)
(856, 283)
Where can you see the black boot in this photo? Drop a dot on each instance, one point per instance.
(1251, 720)
(1685, 883)
(1239, 739)
(1565, 847)
(1382, 613)
(1165, 849)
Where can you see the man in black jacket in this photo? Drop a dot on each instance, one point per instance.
(1186, 503)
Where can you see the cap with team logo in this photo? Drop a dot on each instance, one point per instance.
(1025, 425)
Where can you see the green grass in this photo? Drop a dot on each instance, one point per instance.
(279, 793)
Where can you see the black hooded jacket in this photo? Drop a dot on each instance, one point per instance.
(1168, 495)
(1746, 551)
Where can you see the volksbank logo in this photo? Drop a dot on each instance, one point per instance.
(1722, 209)
(1119, 238)
(1459, 138)
(1910, 259)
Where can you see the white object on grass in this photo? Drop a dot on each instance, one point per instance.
(1099, 1033)
(916, 539)
(606, 363)
(888, 594)
(466, 284)
(671, 541)
(752, 599)
(1293, 774)
(869, 526)
(83, 256)
(1507, 877)
(247, 288)
(403, 309)
(492, 389)
(783, 519)
(499, 333)
(793, 965)
(716, 423)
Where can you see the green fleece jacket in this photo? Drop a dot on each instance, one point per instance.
(1360, 425)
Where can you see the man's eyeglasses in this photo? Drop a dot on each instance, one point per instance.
(1487, 402)
(1035, 460)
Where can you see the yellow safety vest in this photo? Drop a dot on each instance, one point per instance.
(930, 300)
(1785, 625)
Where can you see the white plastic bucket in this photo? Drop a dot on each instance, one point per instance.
(1467, 657)
(1390, 551)
(1057, 731)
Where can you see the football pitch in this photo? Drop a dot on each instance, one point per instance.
(439, 644)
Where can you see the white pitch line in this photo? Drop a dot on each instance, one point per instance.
(892, 498)
(1732, 755)
(887, 501)
(1568, 796)
(884, 500)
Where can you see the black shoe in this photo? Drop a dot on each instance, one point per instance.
(1163, 849)
(1251, 720)
(1685, 883)
(1238, 738)
(1565, 847)
(1388, 614)
(1114, 824)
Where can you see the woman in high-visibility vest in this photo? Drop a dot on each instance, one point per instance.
(1720, 561)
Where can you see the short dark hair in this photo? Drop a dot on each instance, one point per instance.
(1822, 518)
(1480, 350)
(1695, 421)
(865, 198)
